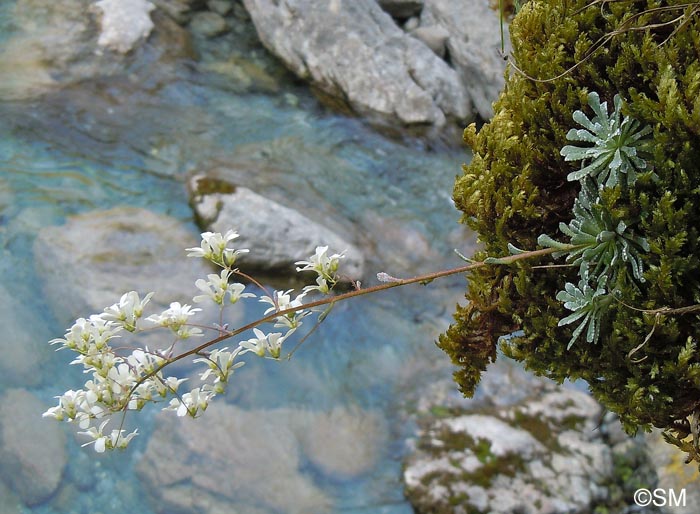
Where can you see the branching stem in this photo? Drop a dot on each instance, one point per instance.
(428, 277)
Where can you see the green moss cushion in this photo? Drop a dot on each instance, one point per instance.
(646, 366)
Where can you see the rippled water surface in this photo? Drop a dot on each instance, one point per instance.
(133, 140)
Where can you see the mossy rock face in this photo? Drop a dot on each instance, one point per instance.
(516, 188)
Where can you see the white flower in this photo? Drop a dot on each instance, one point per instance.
(274, 343)
(175, 318)
(214, 289)
(67, 406)
(283, 302)
(321, 286)
(77, 337)
(320, 262)
(257, 344)
(235, 292)
(265, 343)
(214, 248)
(168, 385)
(191, 403)
(127, 311)
(98, 361)
(325, 266)
(144, 361)
(122, 378)
(101, 331)
(221, 364)
(103, 442)
(88, 335)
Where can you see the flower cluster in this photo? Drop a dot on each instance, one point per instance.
(118, 382)
(123, 380)
(325, 266)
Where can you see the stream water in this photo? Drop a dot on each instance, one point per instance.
(134, 138)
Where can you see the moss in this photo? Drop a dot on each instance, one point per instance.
(507, 465)
(539, 428)
(440, 411)
(210, 185)
(515, 189)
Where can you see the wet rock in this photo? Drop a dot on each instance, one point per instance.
(32, 450)
(124, 23)
(190, 463)
(540, 455)
(343, 443)
(276, 234)
(474, 47)
(208, 24)
(222, 7)
(22, 344)
(335, 45)
(10, 503)
(88, 263)
(178, 10)
(402, 9)
(62, 42)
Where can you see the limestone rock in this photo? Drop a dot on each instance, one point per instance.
(276, 234)
(58, 43)
(538, 456)
(218, 456)
(673, 473)
(23, 344)
(32, 450)
(178, 10)
(208, 24)
(343, 443)
(124, 23)
(10, 503)
(222, 7)
(474, 45)
(88, 263)
(434, 37)
(354, 51)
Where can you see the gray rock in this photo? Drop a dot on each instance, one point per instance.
(402, 8)
(88, 263)
(222, 7)
(177, 466)
(354, 51)
(178, 10)
(434, 37)
(276, 235)
(58, 43)
(22, 344)
(343, 443)
(673, 473)
(411, 24)
(10, 503)
(32, 450)
(538, 456)
(124, 23)
(208, 24)
(474, 47)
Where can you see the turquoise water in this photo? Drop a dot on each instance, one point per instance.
(119, 141)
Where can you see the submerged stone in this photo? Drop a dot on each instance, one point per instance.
(277, 235)
(32, 451)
